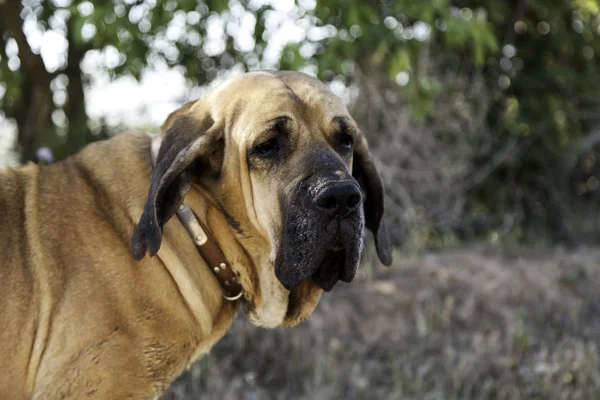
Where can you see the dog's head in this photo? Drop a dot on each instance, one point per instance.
(281, 156)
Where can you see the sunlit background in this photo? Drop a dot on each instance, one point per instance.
(158, 88)
(483, 118)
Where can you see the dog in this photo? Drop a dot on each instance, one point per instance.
(105, 294)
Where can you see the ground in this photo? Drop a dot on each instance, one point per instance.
(473, 323)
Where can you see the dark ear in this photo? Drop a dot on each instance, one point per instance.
(365, 172)
(187, 141)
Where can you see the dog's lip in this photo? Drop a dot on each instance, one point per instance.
(331, 269)
(296, 301)
(338, 245)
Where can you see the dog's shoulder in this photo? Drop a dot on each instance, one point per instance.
(131, 145)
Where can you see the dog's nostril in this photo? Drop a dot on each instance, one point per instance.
(338, 198)
(353, 200)
(327, 202)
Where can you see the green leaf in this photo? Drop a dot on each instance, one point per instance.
(217, 5)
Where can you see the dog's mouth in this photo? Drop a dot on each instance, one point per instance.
(329, 254)
(331, 268)
(321, 244)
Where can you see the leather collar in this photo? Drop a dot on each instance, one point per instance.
(207, 247)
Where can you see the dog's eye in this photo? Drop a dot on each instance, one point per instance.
(346, 141)
(267, 148)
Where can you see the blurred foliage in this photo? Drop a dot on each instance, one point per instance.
(549, 73)
(391, 36)
(540, 60)
(128, 35)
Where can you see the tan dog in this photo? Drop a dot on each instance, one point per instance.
(273, 163)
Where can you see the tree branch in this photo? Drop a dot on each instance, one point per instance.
(31, 63)
(517, 15)
(9, 109)
(2, 42)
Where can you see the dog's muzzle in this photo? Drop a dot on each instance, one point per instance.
(338, 202)
(323, 226)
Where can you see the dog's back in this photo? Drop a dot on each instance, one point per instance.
(52, 219)
(20, 301)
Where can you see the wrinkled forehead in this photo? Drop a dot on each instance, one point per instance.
(253, 100)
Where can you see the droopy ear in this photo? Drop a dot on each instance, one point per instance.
(365, 172)
(187, 141)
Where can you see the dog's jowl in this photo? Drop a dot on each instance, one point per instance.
(123, 264)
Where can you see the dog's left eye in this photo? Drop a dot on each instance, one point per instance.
(267, 148)
(346, 141)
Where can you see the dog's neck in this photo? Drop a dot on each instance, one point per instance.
(247, 253)
(207, 246)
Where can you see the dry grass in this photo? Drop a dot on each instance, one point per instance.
(462, 324)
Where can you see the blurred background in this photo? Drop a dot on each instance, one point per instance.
(484, 119)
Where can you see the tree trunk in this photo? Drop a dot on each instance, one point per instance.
(35, 127)
(79, 133)
(33, 107)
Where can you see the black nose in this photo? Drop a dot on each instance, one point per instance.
(338, 198)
